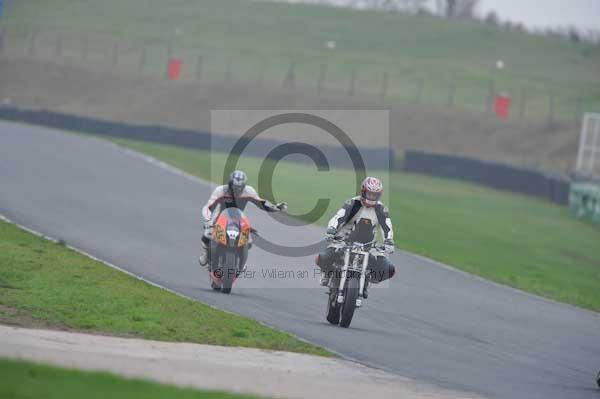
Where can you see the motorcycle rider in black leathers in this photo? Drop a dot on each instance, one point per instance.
(236, 193)
(358, 220)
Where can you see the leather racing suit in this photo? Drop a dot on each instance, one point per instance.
(358, 223)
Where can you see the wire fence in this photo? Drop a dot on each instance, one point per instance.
(380, 83)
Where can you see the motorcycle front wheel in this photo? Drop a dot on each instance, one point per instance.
(349, 304)
(333, 308)
(229, 270)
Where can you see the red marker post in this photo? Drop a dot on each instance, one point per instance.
(503, 103)
(174, 68)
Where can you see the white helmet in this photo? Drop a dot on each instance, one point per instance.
(237, 182)
(370, 191)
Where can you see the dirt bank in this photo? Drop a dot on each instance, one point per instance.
(33, 83)
(272, 374)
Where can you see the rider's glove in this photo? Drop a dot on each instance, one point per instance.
(389, 245)
(331, 231)
(282, 206)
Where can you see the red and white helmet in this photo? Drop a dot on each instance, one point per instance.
(370, 191)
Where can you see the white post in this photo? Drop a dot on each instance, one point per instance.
(588, 156)
(594, 144)
(582, 141)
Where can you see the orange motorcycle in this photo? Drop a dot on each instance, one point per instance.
(229, 248)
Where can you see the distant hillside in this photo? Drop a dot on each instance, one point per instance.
(402, 58)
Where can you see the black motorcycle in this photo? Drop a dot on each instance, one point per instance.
(347, 283)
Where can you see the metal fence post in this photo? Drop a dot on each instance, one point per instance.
(170, 47)
(32, 42)
(352, 84)
(578, 111)
(384, 85)
(420, 90)
(290, 79)
(85, 50)
(199, 67)
(229, 70)
(59, 45)
(142, 63)
(262, 69)
(169, 50)
(522, 103)
(322, 77)
(451, 94)
(115, 55)
(491, 95)
(551, 110)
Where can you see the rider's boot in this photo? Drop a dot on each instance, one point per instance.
(203, 259)
(366, 288)
(325, 277)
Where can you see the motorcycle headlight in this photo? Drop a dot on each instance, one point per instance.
(233, 233)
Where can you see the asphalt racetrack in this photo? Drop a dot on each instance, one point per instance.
(432, 323)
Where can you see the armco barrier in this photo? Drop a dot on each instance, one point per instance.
(496, 175)
(491, 174)
(337, 156)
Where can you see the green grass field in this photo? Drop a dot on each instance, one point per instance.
(24, 380)
(46, 284)
(515, 240)
(262, 38)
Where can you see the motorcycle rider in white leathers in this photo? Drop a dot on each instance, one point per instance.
(358, 220)
(236, 193)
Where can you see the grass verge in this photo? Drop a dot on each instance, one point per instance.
(42, 283)
(24, 380)
(515, 240)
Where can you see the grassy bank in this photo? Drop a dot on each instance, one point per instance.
(47, 285)
(24, 380)
(516, 240)
(422, 57)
